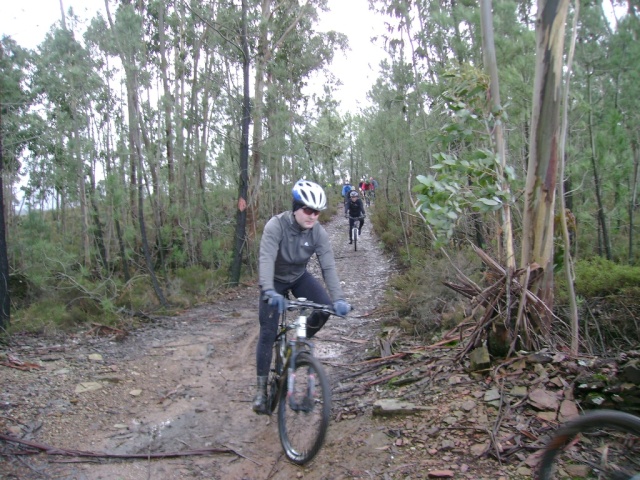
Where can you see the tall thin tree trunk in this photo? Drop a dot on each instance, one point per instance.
(116, 208)
(5, 303)
(634, 197)
(243, 186)
(168, 101)
(135, 153)
(568, 262)
(491, 64)
(262, 59)
(606, 242)
(82, 193)
(95, 216)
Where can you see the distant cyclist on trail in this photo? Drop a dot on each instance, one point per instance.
(373, 186)
(288, 242)
(356, 214)
(346, 189)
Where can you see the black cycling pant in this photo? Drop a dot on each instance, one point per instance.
(352, 222)
(306, 286)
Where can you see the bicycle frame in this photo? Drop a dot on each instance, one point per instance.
(289, 348)
(354, 232)
(293, 347)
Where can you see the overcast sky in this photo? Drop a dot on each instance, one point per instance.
(27, 22)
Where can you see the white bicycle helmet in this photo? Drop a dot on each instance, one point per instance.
(353, 193)
(310, 194)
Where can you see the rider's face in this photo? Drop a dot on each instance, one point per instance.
(304, 219)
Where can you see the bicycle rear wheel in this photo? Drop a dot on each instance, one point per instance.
(303, 414)
(601, 444)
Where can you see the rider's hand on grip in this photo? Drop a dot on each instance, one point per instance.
(275, 299)
(341, 307)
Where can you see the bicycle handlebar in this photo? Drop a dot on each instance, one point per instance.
(292, 305)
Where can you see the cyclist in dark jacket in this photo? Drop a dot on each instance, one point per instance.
(356, 214)
(288, 242)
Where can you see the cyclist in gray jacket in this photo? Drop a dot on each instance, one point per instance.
(288, 242)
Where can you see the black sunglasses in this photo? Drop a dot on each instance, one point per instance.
(310, 211)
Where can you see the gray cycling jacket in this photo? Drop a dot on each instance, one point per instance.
(285, 250)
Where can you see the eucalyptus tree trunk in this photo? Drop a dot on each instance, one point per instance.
(568, 261)
(77, 152)
(5, 300)
(167, 102)
(243, 184)
(634, 196)
(95, 215)
(155, 193)
(264, 56)
(135, 153)
(262, 59)
(537, 241)
(491, 64)
(179, 103)
(82, 194)
(116, 208)
(198, 132)
(602, 221)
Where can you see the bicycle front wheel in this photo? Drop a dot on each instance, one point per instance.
(354, 235)
(598, 445)
(304, 412)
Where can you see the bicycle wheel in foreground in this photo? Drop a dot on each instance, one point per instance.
(355, 235)
(303, 415)
(598, 445)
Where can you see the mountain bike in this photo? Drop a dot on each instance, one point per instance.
(298, 385)
(601, 444)
(368, 197)
(355, 232)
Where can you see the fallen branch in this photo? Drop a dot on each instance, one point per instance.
(15, 362)
(389, 377)
(49, 450)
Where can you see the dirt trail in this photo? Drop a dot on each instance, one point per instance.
(183, 383)
(186, 382)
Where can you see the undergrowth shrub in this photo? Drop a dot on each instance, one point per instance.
(49, 315)
(388, 226)
(608, 304)
(423, 305)
(418, 300)
(599, 277)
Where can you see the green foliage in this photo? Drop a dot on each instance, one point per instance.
(599, 277)
(195, 282)
(420, 303)
(216, 252)
(38, 255)
(466, 173)
(137, 295)
(50, 315)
